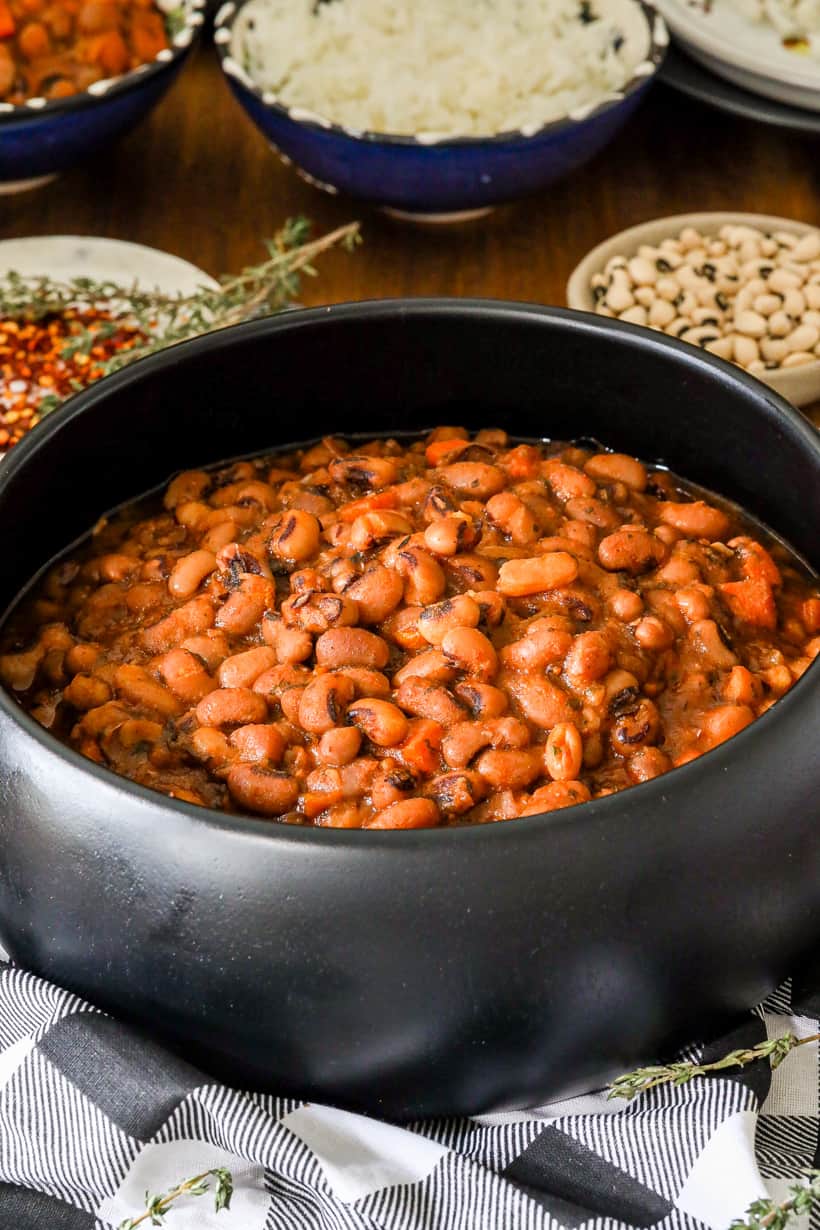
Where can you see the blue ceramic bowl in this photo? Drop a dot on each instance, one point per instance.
(39, 139)
(439, 180)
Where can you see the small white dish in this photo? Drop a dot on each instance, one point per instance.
(749, 54)
(64, 257)
(800, 385)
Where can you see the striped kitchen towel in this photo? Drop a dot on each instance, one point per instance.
(93, 1115)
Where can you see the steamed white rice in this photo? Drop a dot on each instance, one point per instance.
(442, 67)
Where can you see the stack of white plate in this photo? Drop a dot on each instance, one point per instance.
(752, 54)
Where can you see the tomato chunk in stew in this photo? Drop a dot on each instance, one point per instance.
(399, 635)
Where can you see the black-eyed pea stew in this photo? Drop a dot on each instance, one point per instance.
(402, 635)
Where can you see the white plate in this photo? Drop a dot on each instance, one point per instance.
(113, 260)
(751, 55)
(64, 257)
(800, 385)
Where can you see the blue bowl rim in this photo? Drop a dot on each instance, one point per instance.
(658, 46)
(37, 108)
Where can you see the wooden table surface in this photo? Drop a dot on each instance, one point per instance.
(198, 179)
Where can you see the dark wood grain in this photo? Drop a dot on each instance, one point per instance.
(198, 179)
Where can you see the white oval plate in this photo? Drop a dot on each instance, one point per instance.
(800, 385)
(750, 54)
(64, 257)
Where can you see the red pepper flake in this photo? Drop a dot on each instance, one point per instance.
(32, 366)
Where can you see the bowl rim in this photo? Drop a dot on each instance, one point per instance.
(252, 828)
(180, 43)
(688, 25)
(579, 293)
(228, 12)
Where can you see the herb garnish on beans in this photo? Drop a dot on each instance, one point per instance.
(460, 629)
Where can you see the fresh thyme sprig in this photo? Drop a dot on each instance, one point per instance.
(680, 1072)
(158, 1206)
(259, 290)
(764, 1214)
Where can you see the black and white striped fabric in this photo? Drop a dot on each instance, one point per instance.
(93, 1115)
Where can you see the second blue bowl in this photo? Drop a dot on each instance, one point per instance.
(437, 179)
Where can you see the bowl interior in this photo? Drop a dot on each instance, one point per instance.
(406, 366)
(645, 41)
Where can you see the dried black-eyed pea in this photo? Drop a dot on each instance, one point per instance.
(744, 286)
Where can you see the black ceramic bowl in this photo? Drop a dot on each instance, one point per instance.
(445, 970)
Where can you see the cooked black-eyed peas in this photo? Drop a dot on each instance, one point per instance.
(450, 631)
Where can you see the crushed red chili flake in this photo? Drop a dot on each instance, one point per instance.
(33, 365)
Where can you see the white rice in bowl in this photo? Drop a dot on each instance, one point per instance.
(441, 67)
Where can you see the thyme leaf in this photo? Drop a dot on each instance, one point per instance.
(680, 1072)
(157, 1207)
(764, 1214)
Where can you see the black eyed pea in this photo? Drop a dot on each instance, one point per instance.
(513, 518)
(746, 350)
(377, 593)
(340, 746)
(431, 665)
(723, 347)
(472, 652)
(773, 349)
(636, 315)
(798, 358)
(617, 468)
(767, 304)
(474, 479)
(425, 699)
(351, 647)
(375, 527)
(230, 707)
(295, 535)
(483, 700)
(451, 534)
(241, 670)
(780, 324)
(262, 790)
(457, 793)
(667, 289)
(364, 473)
(367, 682)
(382, 722)
(315, 613)
(408, 814)
(424, 580)
(803, 338)
(807, 248)
(643, 272)
(661, 313)
(189, 572)
(783, 280)
(750, 323)
(435, 621)
(323, 703)
(246, 605)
